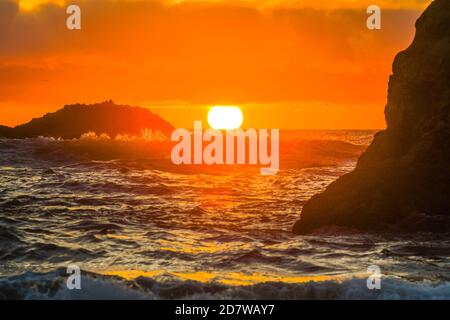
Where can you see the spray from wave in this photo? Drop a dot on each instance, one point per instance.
(119, 204)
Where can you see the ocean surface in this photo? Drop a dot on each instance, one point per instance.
(141, 228)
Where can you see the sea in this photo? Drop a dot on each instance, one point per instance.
(139, 227)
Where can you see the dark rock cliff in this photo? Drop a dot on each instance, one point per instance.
(74, 120)
(402, 181)
(5, 131)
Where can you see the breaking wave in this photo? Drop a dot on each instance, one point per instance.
(52, 285)
(152, 150)
(112, 206)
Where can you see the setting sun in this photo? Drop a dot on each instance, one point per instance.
(225, 117)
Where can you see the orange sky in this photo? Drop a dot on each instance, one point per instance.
(288, 64)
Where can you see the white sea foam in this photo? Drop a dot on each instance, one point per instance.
(101, 203)
(52, 286)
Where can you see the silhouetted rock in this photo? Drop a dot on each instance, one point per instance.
(5, 131)
(74, 120)
(402, 181)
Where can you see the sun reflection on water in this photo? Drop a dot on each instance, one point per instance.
(228, 278)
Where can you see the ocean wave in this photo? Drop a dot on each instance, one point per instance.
(72, 201)
(123, 155)
(52, 285)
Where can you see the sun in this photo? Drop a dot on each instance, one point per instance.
(225, 117)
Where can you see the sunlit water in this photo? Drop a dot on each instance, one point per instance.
(138, 230)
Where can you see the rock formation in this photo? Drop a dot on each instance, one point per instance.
(402, 181)
(5, 131)
(74, 120)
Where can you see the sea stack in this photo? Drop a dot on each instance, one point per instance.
(402, 181)
(72, 121)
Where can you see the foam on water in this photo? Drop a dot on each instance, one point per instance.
(52, 285)
(116, 205)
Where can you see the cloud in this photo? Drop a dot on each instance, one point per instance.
(225, 52)
(29, 5)
(8, 10)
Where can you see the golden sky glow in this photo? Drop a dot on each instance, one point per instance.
(260, 4)
(28, 5)
(287, 64)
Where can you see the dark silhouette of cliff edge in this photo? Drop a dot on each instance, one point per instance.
(402, 181)
(5, 131)
(74, 120)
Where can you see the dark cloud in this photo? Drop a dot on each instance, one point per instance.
(8, 10)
